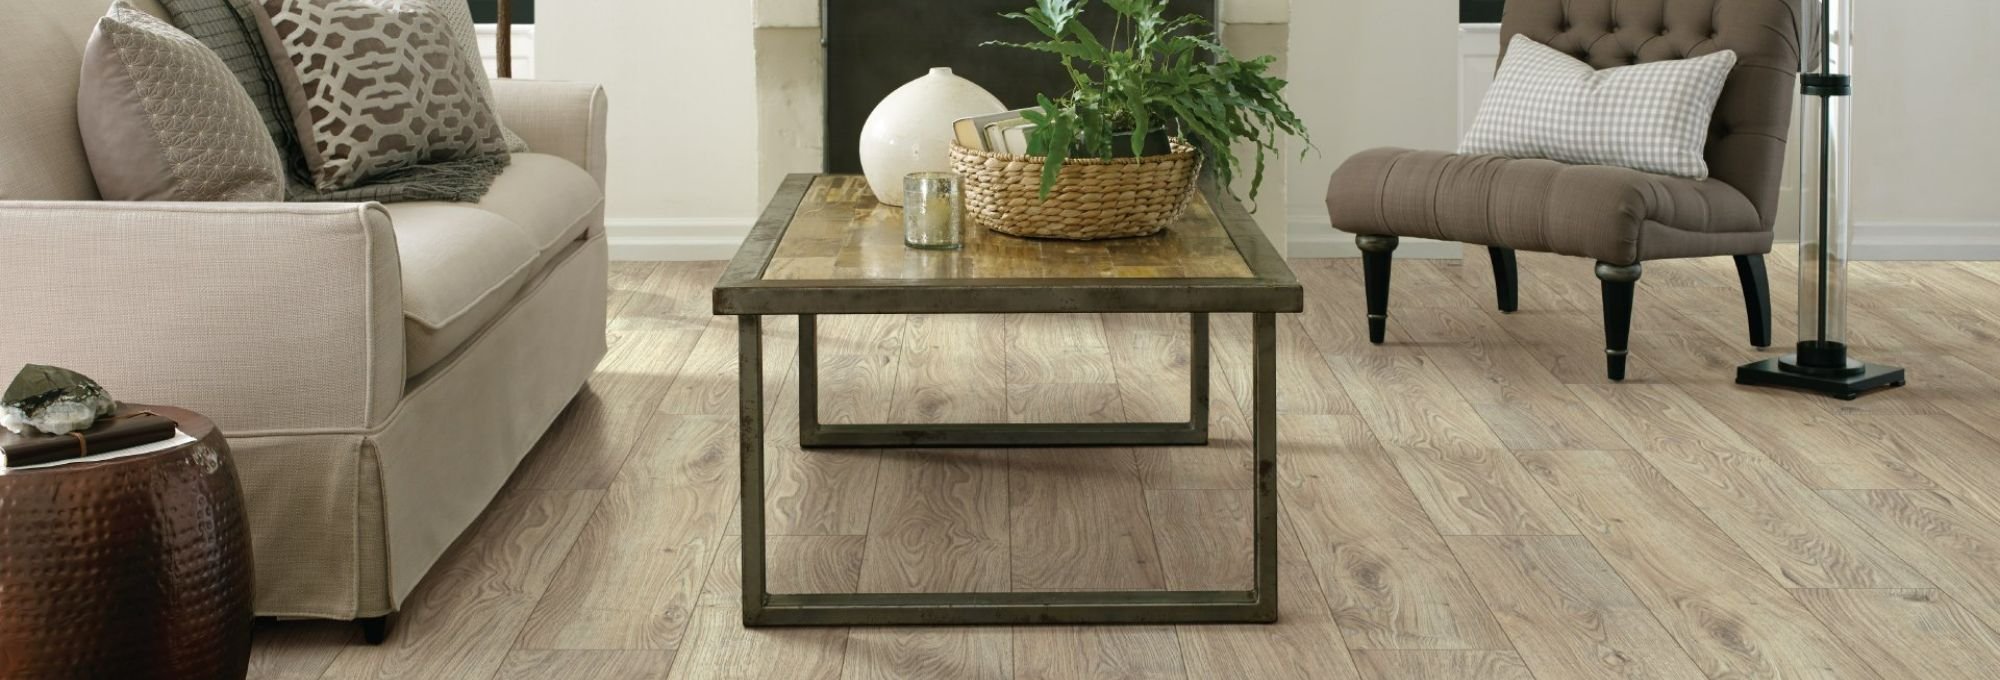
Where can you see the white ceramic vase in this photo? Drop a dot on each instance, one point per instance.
(910, 131)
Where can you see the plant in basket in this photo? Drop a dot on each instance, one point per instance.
(1151, 77)
(1118, 153)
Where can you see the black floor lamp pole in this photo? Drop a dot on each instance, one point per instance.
(1821, 363)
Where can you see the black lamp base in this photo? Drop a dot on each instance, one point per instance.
(1848, 384)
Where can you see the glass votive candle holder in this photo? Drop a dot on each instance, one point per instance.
(933, 211)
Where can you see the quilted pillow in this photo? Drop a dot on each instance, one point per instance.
(376, 86)
(1650, 117)
(163, 119)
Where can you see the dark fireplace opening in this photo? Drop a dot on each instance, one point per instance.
(1479, 11)
(875, 46)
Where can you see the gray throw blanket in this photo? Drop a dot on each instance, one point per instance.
(229, 28)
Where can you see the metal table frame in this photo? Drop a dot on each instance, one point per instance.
(1270, 291)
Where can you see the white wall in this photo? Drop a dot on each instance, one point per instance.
(683, 121)
(524, 50)
(1365, 73)
(1926, 184)
(1368, 73)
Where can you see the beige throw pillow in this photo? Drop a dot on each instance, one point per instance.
(1651, 117)
(376, 86)
(163, 119)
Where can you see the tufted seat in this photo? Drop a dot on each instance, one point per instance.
(1619, 217)
(1603, 213)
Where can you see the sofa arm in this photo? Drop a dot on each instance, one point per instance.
(264, 317)
(559, 118)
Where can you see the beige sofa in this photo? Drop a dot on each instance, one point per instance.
(380, 370)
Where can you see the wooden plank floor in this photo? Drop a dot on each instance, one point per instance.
(1472, 500)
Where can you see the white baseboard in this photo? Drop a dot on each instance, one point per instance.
(1877, 241)
(676, 239)
(1314, 238)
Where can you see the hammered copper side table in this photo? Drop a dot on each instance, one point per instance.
(129, 568)
(825, 247)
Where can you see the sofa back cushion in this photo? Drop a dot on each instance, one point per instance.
(163, 119)
(41, 44)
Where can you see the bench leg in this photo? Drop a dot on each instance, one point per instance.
(1620, 283)
(1506, 278)
(1376, 254)
(1756, 297)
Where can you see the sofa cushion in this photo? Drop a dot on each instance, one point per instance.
(1610, 214)
(548, 197)
(453, 256)
(41, 46)
(464, 264)
(376, 86)
(163, 119)
(1652, 117)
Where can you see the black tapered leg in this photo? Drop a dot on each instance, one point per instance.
(374, 629)
(1620, 283)
(1506, 278)
(1376, 254)
(1756, 297)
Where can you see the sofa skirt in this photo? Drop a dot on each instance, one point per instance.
(345, 524)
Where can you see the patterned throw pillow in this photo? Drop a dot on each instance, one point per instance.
(1650, 117)
(376, 86)
(163, 119)
(458, 13)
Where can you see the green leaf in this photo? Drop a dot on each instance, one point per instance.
(1072, 50)
(1154, 72)
(1060, 130)
(1035, 18)
(1053, 163)
(1060, 13)
(1088, 41)
(1142, 125)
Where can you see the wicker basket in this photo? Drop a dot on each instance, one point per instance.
(1093, 199)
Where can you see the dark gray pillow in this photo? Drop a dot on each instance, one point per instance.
(229, 29)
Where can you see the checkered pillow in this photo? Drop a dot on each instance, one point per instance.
(1649, 117)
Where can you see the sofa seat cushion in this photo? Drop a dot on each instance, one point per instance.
(460, 267)
(464, 264)
(1614, 215)
(548, 197)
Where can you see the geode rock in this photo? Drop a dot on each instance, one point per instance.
(52, 400)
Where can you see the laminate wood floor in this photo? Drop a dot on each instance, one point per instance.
(1471, 500)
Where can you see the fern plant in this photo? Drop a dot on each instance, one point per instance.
(1152, 72)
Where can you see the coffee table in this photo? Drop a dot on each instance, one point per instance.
(825, 246)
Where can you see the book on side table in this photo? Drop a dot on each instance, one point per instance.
(121, 431)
